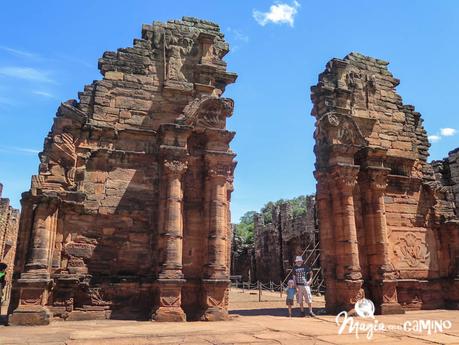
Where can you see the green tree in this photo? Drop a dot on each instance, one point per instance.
(245, 228)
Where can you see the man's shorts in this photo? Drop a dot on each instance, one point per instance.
(303, 291)
(289, 301)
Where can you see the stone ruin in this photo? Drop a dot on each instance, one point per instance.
(276, 243)
(128, 216)
(9, 225)
(279, 241)
(389, 229)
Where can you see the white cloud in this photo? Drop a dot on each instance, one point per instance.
(26, 73)
(448, 132)
(444, 132)
(20, 53)
(434, 138)
(279, 13)
(10, 149)
(238, 35)
(43, 93)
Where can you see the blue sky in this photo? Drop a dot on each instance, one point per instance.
(49, 51)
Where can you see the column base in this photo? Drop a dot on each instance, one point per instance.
(215, 299)
(170, 301)
(169, 314)
(348, 292)
(385, 297)
(30, 316)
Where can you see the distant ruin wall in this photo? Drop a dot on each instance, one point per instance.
(9, 225)
(277, 243)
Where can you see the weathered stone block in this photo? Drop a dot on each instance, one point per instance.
(112, 75)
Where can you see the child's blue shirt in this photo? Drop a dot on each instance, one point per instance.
(290, 293)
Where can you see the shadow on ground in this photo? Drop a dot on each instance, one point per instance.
(273, 312)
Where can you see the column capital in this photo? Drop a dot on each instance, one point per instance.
(345, 176)
(175, 168)
(221, 170)
(377, 178)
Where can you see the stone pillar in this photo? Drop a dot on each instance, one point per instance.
(43, 231)
(218, 225)
(171, 276)
(35, 283)
(384, 289)
(327, 239)
(349, 277)
(216, 284)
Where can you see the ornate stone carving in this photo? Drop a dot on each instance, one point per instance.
(362, 85)
(216, 302)
(221, 170)
(31, 297)
(97, 298)
(378, 179)
(345, 176)
(62, 158)
(170, 301)
(358, 296)
(334, 128)
(176, 50)
(412, 250)
(207, 111)
(389, 292)
(333, 120)
(175, 167)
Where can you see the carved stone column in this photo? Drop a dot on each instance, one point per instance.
(171, 276)
(218, 223)
(327, 238)
(384, 289)
(216, 283)
(35, 283)
(349, 276)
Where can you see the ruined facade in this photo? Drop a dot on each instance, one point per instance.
(277, 242)
(128, 216)
(388, 227)
(9, 225)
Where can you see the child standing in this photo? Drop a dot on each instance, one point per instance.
(290, 296)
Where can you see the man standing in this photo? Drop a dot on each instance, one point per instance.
(302, 275)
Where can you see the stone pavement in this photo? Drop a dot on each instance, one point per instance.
(253, 322)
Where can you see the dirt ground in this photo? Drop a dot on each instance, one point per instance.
(252, 322)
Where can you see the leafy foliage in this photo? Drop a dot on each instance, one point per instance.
(245, 228)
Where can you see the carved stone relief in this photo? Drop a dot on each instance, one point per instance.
(412, 250)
